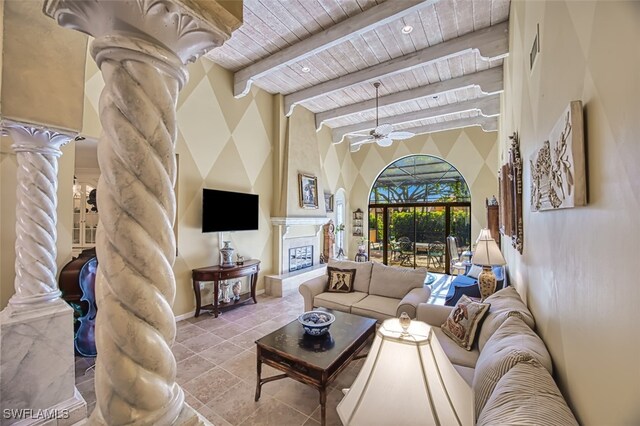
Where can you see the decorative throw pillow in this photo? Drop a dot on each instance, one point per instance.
(463, 321)
(474, 271)
(340, 280)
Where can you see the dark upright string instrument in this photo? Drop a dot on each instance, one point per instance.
(77, 283)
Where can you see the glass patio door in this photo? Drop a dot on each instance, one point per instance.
(376, 235)
(430, 238)
(415, 236)
(414, 204)
(401, 236)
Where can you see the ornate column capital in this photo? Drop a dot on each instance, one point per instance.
(187, 28)
(37, 150)
(29, 137)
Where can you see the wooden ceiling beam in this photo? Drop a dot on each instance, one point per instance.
(491, 43)
(488, 124)
(489, 81)
(489, 106)
(361, 23)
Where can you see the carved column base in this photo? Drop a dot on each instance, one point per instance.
(37, 379)
(188, 417)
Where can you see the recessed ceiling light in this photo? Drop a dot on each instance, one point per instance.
(305, 69)
(407, 29)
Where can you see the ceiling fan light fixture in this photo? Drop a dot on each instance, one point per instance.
(305, 69)
(407, 29)
(383, 134)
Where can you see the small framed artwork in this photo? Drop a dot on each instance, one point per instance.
(328, 202)
(308, 191)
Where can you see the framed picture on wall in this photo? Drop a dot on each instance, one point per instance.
(308, 191)
(510, 180)
(328, 202)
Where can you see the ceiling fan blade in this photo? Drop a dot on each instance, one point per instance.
(398, 136)
(384, 142)
(383, 129)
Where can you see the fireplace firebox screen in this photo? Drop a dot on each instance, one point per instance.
(300, 258)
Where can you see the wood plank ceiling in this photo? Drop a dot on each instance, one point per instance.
(326, 54)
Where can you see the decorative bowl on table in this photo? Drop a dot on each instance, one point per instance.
(316, 323)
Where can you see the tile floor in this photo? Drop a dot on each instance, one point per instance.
(217, 369)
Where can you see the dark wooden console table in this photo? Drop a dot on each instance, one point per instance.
(216, 274)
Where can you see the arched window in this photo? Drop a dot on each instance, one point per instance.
(415, 203)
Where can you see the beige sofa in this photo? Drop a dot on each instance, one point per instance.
(379, 291)
(508, 368)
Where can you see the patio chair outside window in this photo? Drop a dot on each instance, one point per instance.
(457, 265)
(404, 247)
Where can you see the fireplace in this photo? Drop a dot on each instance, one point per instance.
(297, 248)
(300, 258)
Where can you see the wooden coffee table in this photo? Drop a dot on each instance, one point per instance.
(315, 361)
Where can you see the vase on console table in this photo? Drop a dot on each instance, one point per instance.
(237, 286)
(224, 293)
(226, 256)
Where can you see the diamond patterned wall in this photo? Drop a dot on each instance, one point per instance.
(227, 143)
(222, 143)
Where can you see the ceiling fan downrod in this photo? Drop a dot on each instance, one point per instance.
(376, 85)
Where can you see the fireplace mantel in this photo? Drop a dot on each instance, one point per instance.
(285, 238)
(300, 220)
(288, 222)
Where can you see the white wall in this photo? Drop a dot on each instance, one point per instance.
(578, 266)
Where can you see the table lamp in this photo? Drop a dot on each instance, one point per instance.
(407, 380)
(485, 234)
(487, 254)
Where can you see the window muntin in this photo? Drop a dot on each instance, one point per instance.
(419, 179)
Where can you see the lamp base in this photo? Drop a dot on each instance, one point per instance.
(486, 282)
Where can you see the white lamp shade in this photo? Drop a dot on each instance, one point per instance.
(487, 252)
(407, 380)
(485, 234)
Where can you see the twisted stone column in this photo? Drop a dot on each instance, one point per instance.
(141, 47)
(36, 337)
(135, 370)
(37, 151)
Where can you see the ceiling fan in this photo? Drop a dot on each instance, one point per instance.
(383, 134)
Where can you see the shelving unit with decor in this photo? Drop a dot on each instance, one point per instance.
(357, 223)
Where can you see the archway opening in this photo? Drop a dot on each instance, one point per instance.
(414, 205)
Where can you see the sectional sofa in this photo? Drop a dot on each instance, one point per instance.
(508, 367)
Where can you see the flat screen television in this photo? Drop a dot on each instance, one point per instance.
(229, 211)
